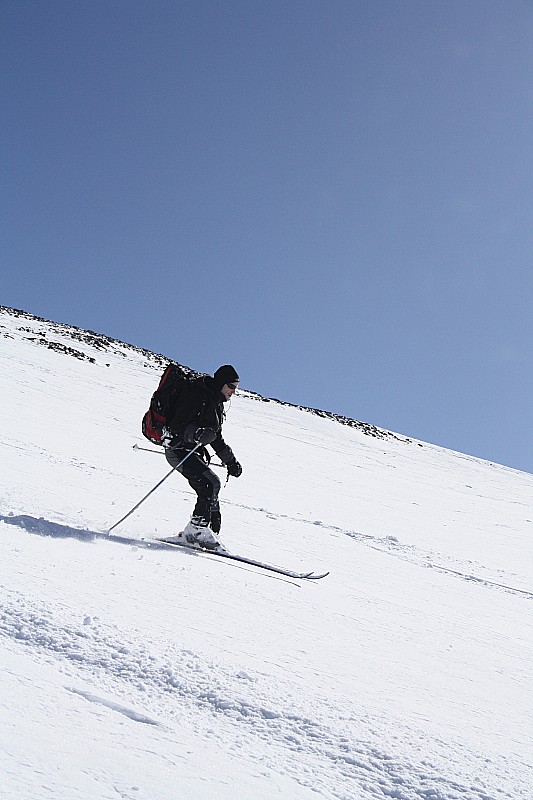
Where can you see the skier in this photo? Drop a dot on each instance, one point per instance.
(196, 419)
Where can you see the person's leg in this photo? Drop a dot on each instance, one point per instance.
(216, 517)
(203, 480)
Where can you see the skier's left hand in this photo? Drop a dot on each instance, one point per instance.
(234, 468)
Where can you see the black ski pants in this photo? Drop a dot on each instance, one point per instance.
(204, 482)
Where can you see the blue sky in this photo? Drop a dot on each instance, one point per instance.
(333, 196)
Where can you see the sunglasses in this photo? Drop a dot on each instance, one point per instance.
(232, 385)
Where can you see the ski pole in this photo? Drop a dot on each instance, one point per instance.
(148, 450)
(160, 453)
(153, 490)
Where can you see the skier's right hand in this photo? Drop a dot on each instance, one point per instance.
(204, 436)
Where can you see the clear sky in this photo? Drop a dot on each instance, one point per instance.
(334, 196)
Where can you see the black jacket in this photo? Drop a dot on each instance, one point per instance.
(198, 402)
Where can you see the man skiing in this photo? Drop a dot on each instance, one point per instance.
(195, 418)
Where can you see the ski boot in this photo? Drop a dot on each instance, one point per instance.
(197, 533)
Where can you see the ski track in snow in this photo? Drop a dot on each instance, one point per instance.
(179, 682)
(387, 544)
(410, 553)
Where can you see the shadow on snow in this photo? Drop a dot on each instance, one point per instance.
(44, 527)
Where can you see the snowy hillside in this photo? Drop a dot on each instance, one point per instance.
(133, 672)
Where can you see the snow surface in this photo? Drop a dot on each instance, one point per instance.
(135, 672)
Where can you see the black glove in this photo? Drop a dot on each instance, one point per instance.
(234, 468)
(203, 436)
(227, 458)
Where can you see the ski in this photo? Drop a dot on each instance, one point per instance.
(289, 573)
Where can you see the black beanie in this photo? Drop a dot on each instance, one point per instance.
(225, 374)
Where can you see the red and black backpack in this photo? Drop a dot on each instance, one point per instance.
(155, 420)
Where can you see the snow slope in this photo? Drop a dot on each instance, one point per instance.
(137, 672)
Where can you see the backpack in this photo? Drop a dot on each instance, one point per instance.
(155, 419)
